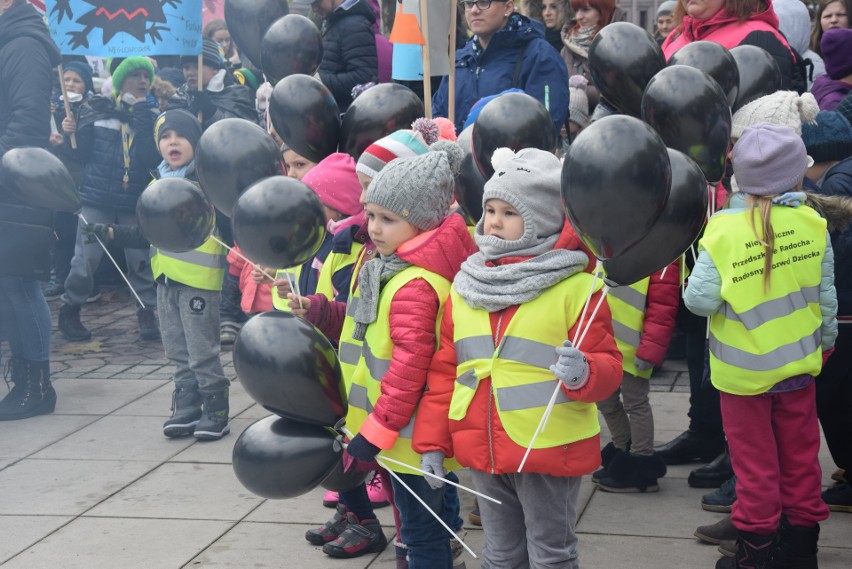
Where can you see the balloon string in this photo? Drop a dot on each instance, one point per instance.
(598, 268)
(431, 475)
(683, 274)
(663, 275)
(552, 403)
(120, 272)
(241, 256)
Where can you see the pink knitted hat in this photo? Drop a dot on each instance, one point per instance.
(335, 183)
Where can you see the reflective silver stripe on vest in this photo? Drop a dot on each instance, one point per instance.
(772, 309)
(377, 366)
(775, 359)
(352, 303)
(200, 258)
(468, 379)
(625, 334)
(520, 397)
(629, 296)
(358, 398)
(349, 353)
(474, 348)
(530, 352)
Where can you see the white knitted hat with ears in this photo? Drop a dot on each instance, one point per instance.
(784, 108)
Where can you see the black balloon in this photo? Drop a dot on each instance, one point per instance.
(175, 215)
(714, 60)
(39, 179)
(279, 222)
(690, 112)
(615, 181)
(292, 44)
(231, 155)
(248, 20)
(278, 458)
(513, 120)
(470, 183)
(340, 481)
(622, 59)
(290, 368)
(674, 231)
(759, 74)
(305, 116)
(377, 112)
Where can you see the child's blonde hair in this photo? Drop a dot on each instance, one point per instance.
(763, 206)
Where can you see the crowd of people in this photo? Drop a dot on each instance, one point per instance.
(445, 326)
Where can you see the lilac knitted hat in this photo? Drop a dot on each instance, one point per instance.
(769, 159)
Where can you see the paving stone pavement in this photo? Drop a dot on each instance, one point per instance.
(96, 485)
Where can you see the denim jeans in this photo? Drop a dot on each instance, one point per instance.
(427, 540)
(25, 318)
(450, 513)
(229, 307)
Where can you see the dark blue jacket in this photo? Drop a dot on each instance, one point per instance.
(838, 182)
(543, 74)
(99, 146)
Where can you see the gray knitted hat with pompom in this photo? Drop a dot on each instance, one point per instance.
(419, 189)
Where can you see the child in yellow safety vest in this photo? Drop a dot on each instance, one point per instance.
(188, 295)
(505, 351)
(643, 319)
(765, 278)
(390, 331)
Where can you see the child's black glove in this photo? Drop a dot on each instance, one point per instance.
(362, 449)
(95, 231)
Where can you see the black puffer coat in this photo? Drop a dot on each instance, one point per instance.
(838, 182)
(349, 50)
(233, 101)
(99, 145)
(27, 59)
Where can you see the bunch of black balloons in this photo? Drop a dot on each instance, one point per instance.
(291, 369)
(637, 190)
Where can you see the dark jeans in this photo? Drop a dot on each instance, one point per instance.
(705, 415)
(65, 225)
(229, 308)
(834, 399)
(25, 318)
(428, 542)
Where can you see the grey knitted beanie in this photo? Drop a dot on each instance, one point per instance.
(529, 180)
(419, 189)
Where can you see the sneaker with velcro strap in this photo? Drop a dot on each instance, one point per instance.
(359, 538)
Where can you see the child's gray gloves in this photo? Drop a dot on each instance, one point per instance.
(432, 461)
(571, 368)
(642, 365)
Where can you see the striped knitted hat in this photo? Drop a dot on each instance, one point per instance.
(399, 144)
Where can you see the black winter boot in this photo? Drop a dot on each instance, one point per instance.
(714, 474)
(35, 395)
(797, 548)
(607, 454)
(70, 325)
(753, 552)
(691, 446)
(13, 373)
(214, 416)
(186, 412)
(148, 329)
(630, 473)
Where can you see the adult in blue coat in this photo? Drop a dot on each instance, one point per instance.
(508, 50)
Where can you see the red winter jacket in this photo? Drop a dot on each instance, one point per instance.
(661, 307)
(479, 440)
(413, 314)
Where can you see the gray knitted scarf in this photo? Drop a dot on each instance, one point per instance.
(493, 288)
(374, 274)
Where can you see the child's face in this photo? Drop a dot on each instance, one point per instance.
(190, 74)
(665, 24)
(387, 230)
(175, 149)
(502, 221)
(74, 83)
(297, 165)
(137, 84)
(364, 180)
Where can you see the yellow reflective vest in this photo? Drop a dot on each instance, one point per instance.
(628, 304)
(519, 367)
(202, 268)
(364, 364)
(760, 337)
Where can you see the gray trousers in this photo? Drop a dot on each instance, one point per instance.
(534, 527)
(628, 415)
(87, 257)
(189, 325)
